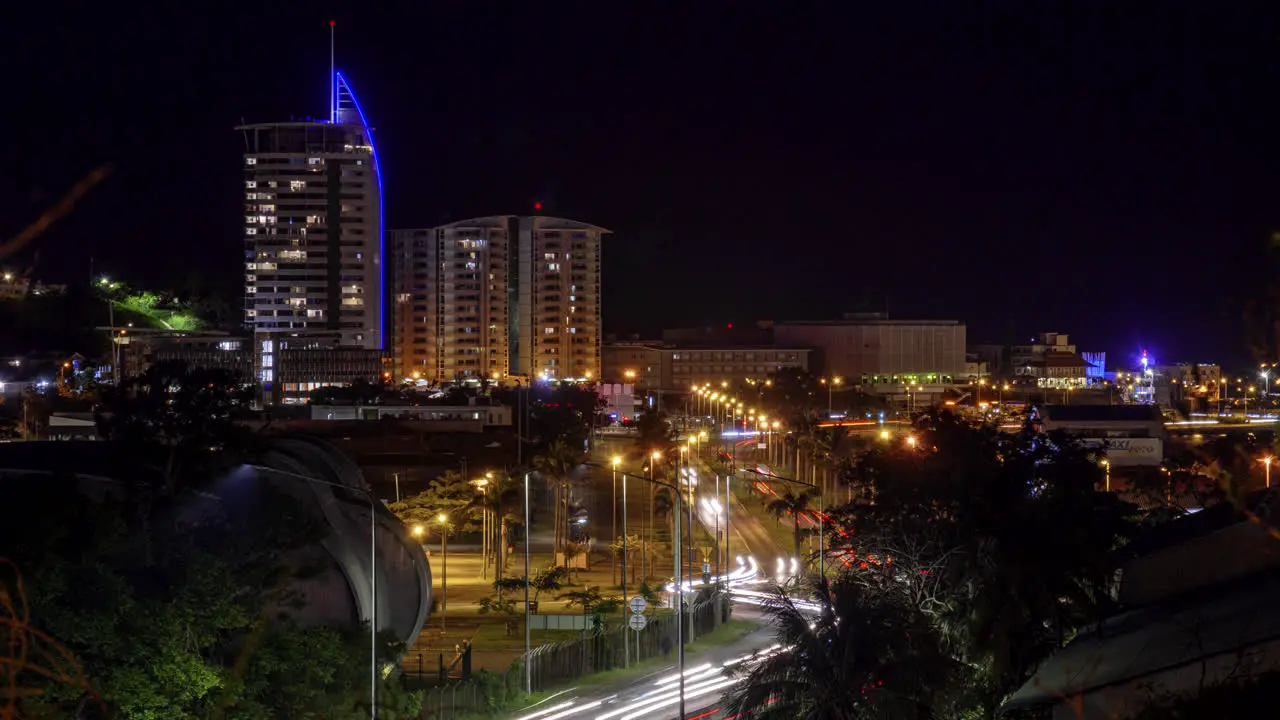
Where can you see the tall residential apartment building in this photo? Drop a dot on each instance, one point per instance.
(313, 234)
(451, 300)
(496, 297)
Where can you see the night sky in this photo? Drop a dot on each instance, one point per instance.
(1106, 172)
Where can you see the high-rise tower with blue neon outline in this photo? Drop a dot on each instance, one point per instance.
(313, 239)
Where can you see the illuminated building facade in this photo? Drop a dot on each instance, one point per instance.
(313, 235)
(498, 296)
(558, 326)
(452, 301)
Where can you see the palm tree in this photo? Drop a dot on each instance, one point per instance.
(557, 461)
(794, 504)
(501, 497)
(867, 654)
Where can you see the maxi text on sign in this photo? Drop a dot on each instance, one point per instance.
(1123, 452)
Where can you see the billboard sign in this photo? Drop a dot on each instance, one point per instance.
(1125, 452)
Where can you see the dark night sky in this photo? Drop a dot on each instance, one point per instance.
(1106, 172)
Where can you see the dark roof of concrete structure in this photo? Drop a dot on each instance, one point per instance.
(1214, 621)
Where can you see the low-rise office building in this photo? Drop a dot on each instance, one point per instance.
(661, 367)
(873, 350)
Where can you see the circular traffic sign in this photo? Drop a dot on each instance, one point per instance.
(637, 605)
(637, 622)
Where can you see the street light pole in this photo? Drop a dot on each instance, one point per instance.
(680, 603)
(613, 518)
(444, 571)
(528, 676)
(626, 646)
(676, 552)
(373, 575)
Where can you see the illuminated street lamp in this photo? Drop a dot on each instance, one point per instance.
(1106, 467)
(1267, 463)
(444, 568)
(830, 388)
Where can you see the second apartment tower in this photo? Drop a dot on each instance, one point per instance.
(496, 297)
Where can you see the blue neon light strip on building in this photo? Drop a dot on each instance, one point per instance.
(382, 229)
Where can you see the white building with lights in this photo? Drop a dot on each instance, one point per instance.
(313, 240)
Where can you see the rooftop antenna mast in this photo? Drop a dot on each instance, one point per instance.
(333, 79)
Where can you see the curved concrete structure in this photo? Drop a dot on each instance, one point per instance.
(340, 594)
(401, 570)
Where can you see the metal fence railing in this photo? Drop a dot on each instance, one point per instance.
(562, 663)
(551, 665)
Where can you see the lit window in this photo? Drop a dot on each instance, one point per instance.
(250, 184)
(251, 231)
(353, 301)
(251, 289)
(553, 267)
(251, 161)
(549, 256)
(297, 185)
(549, 331)
(315, 161)
(292, 255)
(572, 298)
(267, 208)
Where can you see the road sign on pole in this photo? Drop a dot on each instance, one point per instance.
(637, 622)
(637, 605)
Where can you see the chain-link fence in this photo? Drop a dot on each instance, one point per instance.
(562, 663)
(552, 665)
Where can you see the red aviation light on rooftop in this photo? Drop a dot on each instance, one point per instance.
(332, 23)
(537, 206)
(729, 326)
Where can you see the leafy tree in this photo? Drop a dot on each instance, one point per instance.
(654, 432)
(549, 579)
(360, 392)
(866, 654)
(1008, 531)
(558, 462)
(795, 505)
(591, 601)
(177, 619)
(187, 413)
(449, 494)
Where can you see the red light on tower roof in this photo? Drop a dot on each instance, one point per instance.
(332, 23)
(729, 326)
(537, 206)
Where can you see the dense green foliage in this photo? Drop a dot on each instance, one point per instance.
(866, 653)
(995, 547)
(179, 613)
